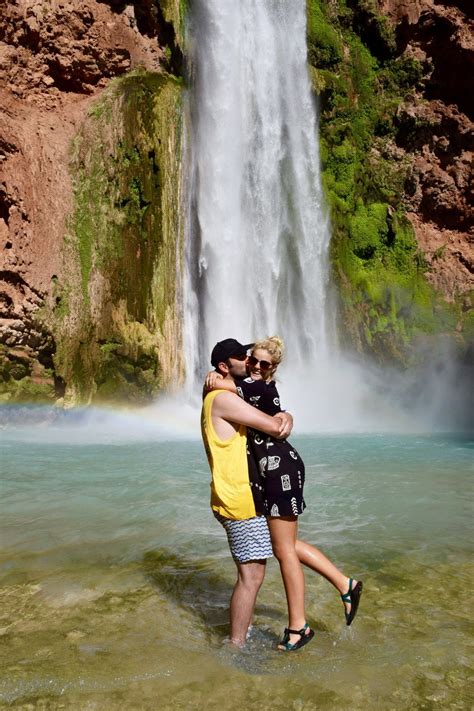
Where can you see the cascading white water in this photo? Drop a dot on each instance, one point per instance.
(257, 260)
(258, 232)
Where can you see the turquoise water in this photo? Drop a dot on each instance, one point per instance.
(115, 578)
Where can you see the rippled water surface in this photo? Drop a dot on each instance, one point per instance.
(115, 579)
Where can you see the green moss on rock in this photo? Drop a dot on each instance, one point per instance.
(124, 242)
(324, 41)
(22, 378)
(386, 302)
(175, 12)
(26, 390)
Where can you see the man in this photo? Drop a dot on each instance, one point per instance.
(225, 418)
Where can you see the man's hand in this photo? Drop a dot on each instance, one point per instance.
(286, 424)
(212, 379)
(230, 407)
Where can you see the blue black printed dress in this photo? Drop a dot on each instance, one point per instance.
(276, 470)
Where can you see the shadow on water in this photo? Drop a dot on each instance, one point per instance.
(193, 585)
(196, 587)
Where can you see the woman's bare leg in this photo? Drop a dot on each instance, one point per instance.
(283, 534)
(312, 558)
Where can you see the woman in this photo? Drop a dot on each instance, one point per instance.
(277, 476)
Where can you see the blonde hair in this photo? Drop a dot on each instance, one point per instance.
(274, 345)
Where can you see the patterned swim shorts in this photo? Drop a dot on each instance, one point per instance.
(249, 539)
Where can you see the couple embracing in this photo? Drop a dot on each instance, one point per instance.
(257, 486)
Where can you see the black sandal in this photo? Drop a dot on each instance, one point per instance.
(352, 596)
(285, 644)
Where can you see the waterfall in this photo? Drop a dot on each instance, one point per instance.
(257, 229)
(259, 234)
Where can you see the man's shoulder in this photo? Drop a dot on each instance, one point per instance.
(226, 407)
(220, 396)
(215, 392)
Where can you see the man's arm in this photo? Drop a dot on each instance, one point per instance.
(232, 408)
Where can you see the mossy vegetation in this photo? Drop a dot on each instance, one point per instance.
(123, 244)
(386, 300)
(175, 12)
(23, 378)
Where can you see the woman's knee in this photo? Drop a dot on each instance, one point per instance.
(284, 551)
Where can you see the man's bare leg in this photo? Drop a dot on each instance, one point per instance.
(242, 603)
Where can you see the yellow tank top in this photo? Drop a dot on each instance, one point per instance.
(231, 495)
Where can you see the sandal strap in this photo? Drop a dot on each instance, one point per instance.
(300, 632)
(286, 637)
(347, 596)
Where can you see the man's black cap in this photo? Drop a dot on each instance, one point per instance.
(226, 349)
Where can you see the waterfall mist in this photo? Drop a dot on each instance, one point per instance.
(257, 229)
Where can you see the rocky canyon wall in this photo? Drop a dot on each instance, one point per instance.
(90, 145)
(394, 80)
(90, 180)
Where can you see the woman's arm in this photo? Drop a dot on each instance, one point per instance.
(215, 381)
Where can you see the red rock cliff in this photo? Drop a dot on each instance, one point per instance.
(57, 57)
(436, 126)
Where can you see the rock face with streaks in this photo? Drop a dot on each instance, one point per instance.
(397, 138)
(90, 135)
(437, 128)
(58, 60)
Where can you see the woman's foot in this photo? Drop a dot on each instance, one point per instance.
(295, 639)
(351, 599)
